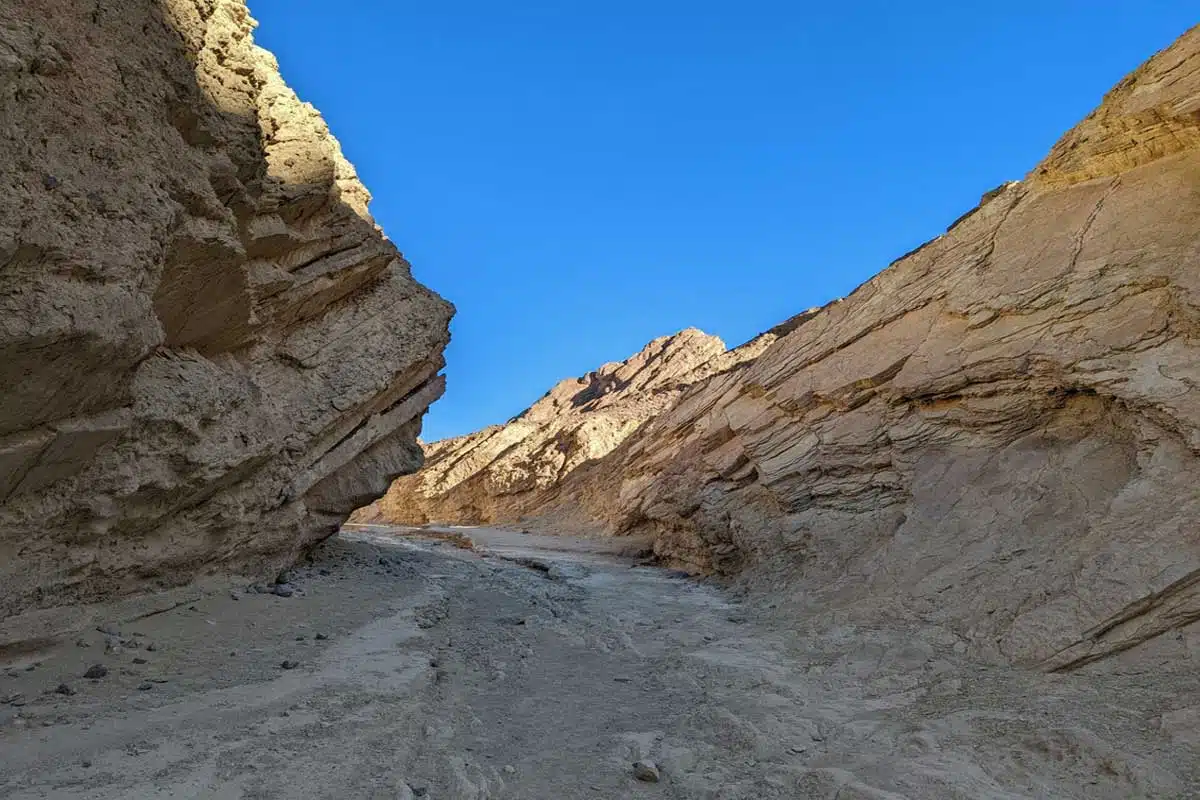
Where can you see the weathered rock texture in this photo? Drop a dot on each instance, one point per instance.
(499, 473)
(209, 353)
(999, 434)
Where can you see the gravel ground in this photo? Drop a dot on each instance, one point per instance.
(545, 667)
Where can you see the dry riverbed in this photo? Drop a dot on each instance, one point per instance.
(543, 667)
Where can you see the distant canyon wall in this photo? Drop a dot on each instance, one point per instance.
(502, 472)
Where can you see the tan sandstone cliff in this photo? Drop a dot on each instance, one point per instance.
(999, 434)
(209, 353)
(499, 473)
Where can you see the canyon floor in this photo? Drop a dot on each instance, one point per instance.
(543, 667)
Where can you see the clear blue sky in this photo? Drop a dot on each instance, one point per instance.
(579, 178)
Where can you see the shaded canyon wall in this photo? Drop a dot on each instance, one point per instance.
(209, 353)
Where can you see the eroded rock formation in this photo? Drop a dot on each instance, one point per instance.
(209, 353)
(1000, 433)
(497, 474)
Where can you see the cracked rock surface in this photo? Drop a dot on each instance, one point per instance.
(998, 435)
(209, 353)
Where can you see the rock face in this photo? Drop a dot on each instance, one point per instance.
(499, 473)
(210, 354)
(999, 434)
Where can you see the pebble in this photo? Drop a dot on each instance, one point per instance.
(509, 769)
(320, 637)
(140, 660)
(145, 686)
(151, 646)
(283, 590)
(85, 763)
(646, 771)
(290, 664)
(109, 629)
(235, 596)
(96, 671)
(81, 643)
(64, 688)
(31, 667)
(283, 577)
(299, 638)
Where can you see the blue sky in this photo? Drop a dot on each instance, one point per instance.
(579, 178)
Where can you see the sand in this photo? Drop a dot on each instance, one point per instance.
(543, 667)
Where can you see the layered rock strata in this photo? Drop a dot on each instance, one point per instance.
(209, 352)
(499, 473)
(998, 434)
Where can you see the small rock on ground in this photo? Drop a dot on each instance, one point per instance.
(96, 671)
(646, 771)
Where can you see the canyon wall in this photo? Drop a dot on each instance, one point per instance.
(499, 473)
(209, 353)
(998, 434)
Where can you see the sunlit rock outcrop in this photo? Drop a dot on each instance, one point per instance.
(999, 434)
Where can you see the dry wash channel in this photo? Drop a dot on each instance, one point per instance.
(947, 525)
(545, 667)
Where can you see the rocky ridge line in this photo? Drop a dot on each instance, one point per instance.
(497, 474)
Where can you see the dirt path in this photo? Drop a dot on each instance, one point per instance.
(539, 668)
